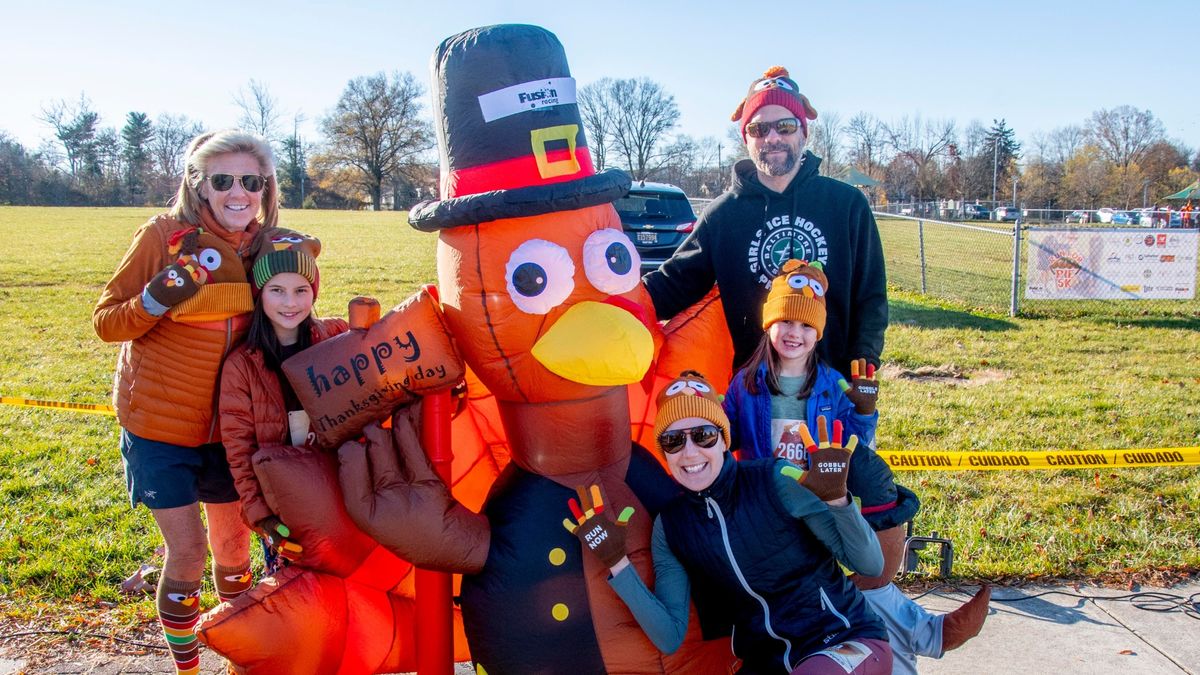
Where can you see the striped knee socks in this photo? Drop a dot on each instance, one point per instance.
(178, 609)
(231, 581)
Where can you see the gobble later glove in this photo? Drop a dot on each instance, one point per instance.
(863, 389)
(828, 461)
(600, 535)
(278, 538)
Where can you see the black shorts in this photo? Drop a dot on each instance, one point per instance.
(164, 476)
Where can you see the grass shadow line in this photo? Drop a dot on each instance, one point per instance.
(927, 316)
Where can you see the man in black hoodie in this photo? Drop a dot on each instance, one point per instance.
(777, 209)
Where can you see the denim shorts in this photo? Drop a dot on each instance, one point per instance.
(164, 476)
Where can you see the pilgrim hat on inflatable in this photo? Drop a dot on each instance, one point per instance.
(509, 131)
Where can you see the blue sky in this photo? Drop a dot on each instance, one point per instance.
(1039, 65)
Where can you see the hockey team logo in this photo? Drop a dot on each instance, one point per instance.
(781, 239)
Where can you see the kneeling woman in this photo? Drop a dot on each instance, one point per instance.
(258, 406)
(756, 545)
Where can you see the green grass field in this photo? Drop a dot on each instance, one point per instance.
(1107, 381)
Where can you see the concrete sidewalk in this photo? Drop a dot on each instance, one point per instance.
(1062, 634)
(1047, 634)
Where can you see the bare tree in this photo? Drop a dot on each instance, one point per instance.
(598, 111)
(171, 136)
(260, 111)
(75, 126)
(920, 143)
(645, 114)
(867, 138)
(376, 129)
(826, 141)
(1123, 134)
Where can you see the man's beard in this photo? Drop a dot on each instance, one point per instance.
(778, 166)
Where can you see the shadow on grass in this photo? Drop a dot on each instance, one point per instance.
(1170, 322)
(928, 316)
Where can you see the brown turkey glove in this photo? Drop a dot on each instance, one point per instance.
(183, 278)
(176, 283)
(863, 390)
(278, 538)
(392, 492)
(828, 462)
(598, 534)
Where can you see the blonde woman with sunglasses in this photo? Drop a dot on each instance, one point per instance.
(755, 545)
(179, 301)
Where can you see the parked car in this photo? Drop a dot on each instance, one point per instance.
(1078, 217)
(1006, 213)
(1143, 217)
(1105, 215)
(657, 218)
(975, 212)
(1122, 218)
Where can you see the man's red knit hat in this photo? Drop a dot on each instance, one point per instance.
(775, 87)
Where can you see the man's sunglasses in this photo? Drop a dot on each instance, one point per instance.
(251, 182)
(704, 436)
(786, 127)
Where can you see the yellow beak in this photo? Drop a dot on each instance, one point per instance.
(598, 344)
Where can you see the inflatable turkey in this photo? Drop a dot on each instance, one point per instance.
(542, 293)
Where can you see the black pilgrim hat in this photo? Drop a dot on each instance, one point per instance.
(509, 132)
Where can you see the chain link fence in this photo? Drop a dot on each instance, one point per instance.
(960, 253)
(1074, 270)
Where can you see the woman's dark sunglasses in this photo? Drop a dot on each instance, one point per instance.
(786, 127)
(704, 436)
(251, 182)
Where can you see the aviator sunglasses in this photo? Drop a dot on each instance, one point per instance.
(223, 182)
(786, 127)
(704, 436)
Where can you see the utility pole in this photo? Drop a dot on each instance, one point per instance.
(1014, 190)
(995, 166)
(720, 172)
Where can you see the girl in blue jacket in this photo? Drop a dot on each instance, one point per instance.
(779, 395)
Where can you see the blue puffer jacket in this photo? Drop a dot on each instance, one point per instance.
(884, 504)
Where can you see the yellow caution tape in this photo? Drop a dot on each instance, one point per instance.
(94, 408)
(1045, 459)
(916, 460)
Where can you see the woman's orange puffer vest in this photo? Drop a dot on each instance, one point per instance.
(167, 369)
(253, 415)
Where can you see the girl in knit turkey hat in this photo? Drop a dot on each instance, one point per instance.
(258, 406)
(780, 393)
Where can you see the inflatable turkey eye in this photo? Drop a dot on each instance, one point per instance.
(539, 276)
(210, 259)
(610, 262)
(799, 281)
(676, 388)
(817, 288)
(699, 386)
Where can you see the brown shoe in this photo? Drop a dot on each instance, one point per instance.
(965, 622)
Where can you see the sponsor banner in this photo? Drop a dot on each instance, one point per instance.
(1111, 264)
(1044, 459)
(96, 408)
(527, 96)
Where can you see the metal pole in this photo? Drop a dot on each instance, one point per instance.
(1016, 268)
(434, 631)
(921, 246)
(995, 166)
